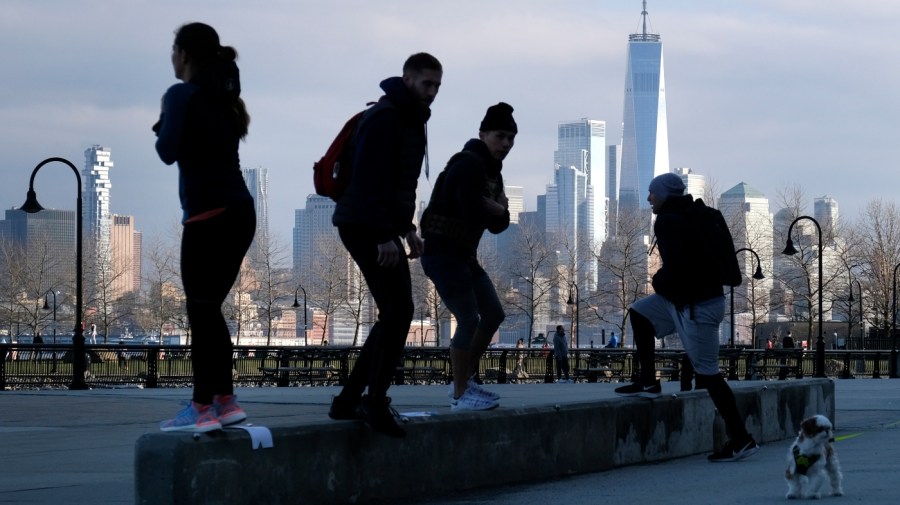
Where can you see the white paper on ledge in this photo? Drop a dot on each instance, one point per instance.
(260, 436)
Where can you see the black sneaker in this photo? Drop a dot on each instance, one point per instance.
(641, 389)
(734, 452)
(344, 409)
(378, 413)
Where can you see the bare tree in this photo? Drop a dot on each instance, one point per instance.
(104, 290)
(623, 271)
(800, 272)
(357, 302)
(532, 268)
(328, 279)
(165, 296)
(273, 281)
(880, 244)
(27, 277)
(239, 306)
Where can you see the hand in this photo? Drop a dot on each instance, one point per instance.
(388, 254)
(415, 243)
(494, 207)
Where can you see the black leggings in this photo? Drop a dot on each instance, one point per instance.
(391, 289)
(212, 251)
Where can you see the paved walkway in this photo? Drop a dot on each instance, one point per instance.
(78, 446)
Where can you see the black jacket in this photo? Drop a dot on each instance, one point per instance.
(390, 145)
(682, 279)
(456, 217)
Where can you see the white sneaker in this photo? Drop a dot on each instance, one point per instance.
(480, 391)
(476, 389)
(472, 401)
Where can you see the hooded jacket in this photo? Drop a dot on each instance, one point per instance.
(682, 279)
(390, 145)
(456, 217)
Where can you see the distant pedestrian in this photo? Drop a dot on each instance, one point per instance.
(613, 341)
(520, 357)
(561, 354)
(202, 122)
(37, 341)
(788, 341)
(123, 358)
(93, 334)
(687, 299)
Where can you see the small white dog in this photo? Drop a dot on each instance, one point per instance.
(811, 455)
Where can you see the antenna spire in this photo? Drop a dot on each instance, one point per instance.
(644, 16)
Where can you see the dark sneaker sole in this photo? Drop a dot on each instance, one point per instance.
(641, 394)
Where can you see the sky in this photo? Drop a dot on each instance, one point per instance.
(773, 93)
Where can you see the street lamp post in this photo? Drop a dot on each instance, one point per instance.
(47, 307)
(893, 366)
(790, 251)
(32, 206)
(297, 304)
(862, 329)
(758, 275)
(575, 314)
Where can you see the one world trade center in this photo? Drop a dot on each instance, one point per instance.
(645, 137)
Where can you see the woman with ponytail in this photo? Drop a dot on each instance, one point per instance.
(202, 122)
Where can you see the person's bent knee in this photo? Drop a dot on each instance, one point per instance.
(465, 331)
(490, 322)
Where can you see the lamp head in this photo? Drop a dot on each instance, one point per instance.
(31, 204)
(789, 249)
(570, 301)
(296, 302)
(47, 305)
(758, 275)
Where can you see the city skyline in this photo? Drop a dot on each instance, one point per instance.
(768, 94)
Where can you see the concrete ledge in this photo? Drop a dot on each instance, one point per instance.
(345, 462)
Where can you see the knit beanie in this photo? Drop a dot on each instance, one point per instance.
(666, 185)
(499, 117)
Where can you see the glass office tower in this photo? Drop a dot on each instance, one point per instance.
(645, 138)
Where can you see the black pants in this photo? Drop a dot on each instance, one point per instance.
(391, 289)
(211, 254)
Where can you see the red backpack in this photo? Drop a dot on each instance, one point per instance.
(332, 173)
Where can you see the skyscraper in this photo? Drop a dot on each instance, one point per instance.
(44, 242)
(694, 184)
(825, 211)
(645, 137)
(312, 226)
(516, 196)
(577, 203)
(96, 215)
(257, 180)
(124, 256)
(582, 144)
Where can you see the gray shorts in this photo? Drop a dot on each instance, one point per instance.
(699, 335)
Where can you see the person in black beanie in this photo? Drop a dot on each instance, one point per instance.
(468, 198)
(689, 301)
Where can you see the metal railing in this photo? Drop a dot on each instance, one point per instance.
(28, 366)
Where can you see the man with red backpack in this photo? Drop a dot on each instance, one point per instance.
(374, 215)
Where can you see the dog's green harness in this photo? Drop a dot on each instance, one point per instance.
(803, 461)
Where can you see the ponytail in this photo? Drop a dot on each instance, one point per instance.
(217, 71)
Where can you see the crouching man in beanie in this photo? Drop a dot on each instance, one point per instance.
(467, 199)
(689, 301)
